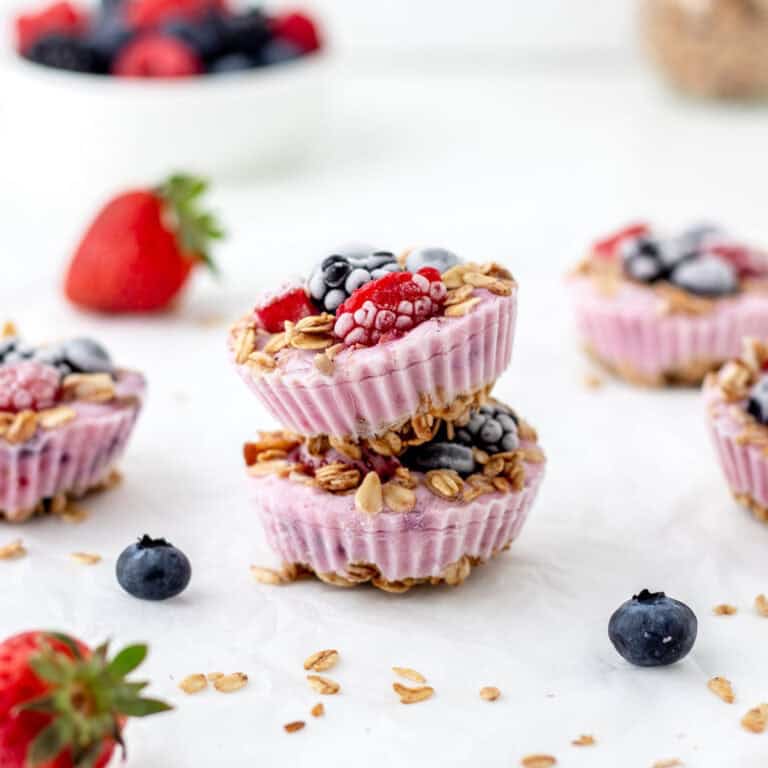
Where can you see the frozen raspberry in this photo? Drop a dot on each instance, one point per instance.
(288, 303)
(390, 306)
(608, 247)
(28, 386)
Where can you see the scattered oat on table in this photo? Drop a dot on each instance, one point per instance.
(194, 683)
(538, 761)
(585, 740)
(266, 575)
(724, 609)
(413, 695)
(490, 693)
(321, 661)
(409, 674)
(318, 710)
(592, 381)
(323, 685)
(722, 687)
(72, 513)
(296, 725)
(85, 558)
(756, 720)
(231, 683)
(13, 550)
(761, 605)
(672, 762)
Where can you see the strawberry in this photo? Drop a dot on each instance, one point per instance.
(140, 249)
(59, 18)
(297, 28)
(288, 303)
(145, 14)
(63, 705)
(157, 55)
(608, 246)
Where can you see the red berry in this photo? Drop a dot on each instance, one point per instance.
(741, 258)
(146, 14)
(297, 28)
(608, 247)
(28, 385)
(157, 55)
(290, 303)
(390, 306)
(141, 248)
(62, 17)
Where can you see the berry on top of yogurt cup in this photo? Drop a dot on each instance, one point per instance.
(653, 630)
(757, 404)
(492, 428)
(28, 385)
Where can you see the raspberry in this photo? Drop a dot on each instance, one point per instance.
(157, 55)
(390, 306)
(289, 303)
(61, 18)
(28, 386)
(298, 29)
(608, 247)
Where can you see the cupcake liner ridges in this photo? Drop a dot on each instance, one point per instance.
(374, 389)
(438, 541)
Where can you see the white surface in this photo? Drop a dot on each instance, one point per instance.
(523, 170)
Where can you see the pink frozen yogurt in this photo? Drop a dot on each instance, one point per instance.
(372, 389)
(72, 457)
(656, 330)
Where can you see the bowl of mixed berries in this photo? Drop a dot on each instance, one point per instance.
(143, 86)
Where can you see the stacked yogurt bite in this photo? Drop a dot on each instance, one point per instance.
(394, 466)
(660, 310)
(66, 413)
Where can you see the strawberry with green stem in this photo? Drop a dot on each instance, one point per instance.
(140, 249)
(63, 705)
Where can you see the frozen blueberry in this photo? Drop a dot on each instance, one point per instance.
(492, 428)
(7, 346)
(153, 569)
(19, 351)
(439, 258)
(757, 404)
(246, 33)
(278, 52)
(87, 356)
(441, 456)
(706, 276)
(62, 52)
(232, 62)
(642, 259)
(107, 36)
(653, 630)
(206, 37)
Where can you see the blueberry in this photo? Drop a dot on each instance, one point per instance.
(706, 276)
(7, 346)
(62, 52)
(246, 33)
(206, 37)
(642, 259)
(153, 569)
(439, 258)
(757, 404)
(232, 62)
(441, 456)
(87, 356)
(278, 52)
(492, 428)
(653, 630)
(18, 352)
(107, 37)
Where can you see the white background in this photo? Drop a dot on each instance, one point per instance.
(518, 164)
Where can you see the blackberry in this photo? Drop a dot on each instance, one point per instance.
(492, 428)
(62, 52)
(338, 276)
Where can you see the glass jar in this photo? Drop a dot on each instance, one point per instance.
(712, 48)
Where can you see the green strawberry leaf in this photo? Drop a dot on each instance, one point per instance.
(127, 660)
(47, 667)
(134, 707)
(88, 758)
(50, 741)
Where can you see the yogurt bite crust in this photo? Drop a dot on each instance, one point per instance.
(659, 311)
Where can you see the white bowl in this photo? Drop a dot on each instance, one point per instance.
(96, 133)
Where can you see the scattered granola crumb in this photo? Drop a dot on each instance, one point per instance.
(585, 740)
(722, 688)
(538, 761)
(323, 685)
(9, 329)
(85, 558)
(318, 710)
(230, 683)
(724, 609)
(756, 720)
(409, 674)
(592, 381)
(13, 550)
(266, 575)
(761, 605)
(490, 693)
(668, 763)
(193, 683)
(71, 513)
(296, 725)
(412, 695)
(320, 661)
